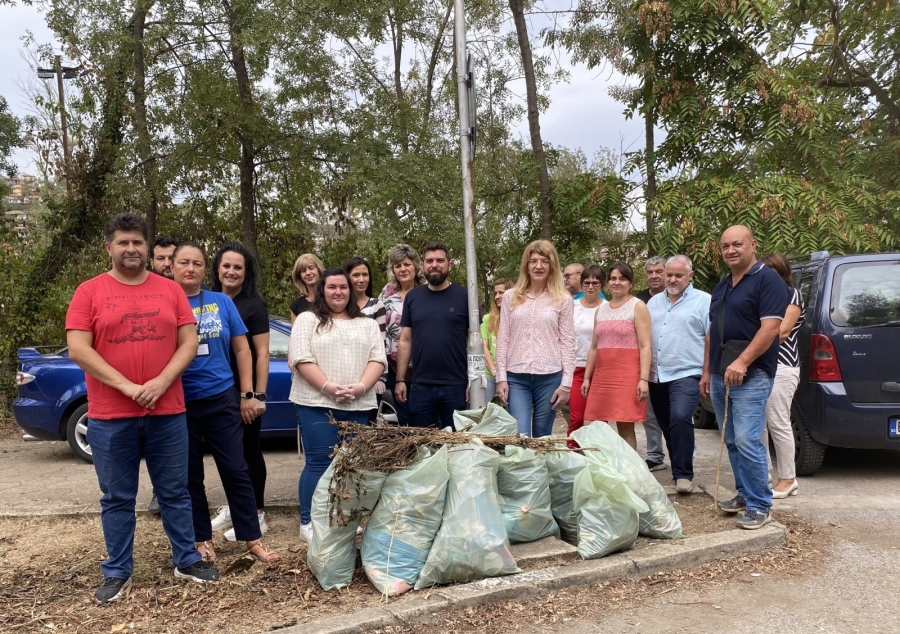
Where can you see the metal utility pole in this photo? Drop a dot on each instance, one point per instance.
(465, 81)
(62, 73)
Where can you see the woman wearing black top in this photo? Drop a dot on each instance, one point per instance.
(235, 272)
(307, 271)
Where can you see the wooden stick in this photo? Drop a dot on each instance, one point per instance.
(721, 447)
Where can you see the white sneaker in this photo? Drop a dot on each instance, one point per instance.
(306, 532)
(263, 527)
(222, 520)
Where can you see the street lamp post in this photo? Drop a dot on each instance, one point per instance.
(465, 81)
(61, 73)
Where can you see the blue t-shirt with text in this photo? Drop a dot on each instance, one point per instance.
(218, 321)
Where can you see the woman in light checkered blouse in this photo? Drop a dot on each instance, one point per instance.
(337, 355)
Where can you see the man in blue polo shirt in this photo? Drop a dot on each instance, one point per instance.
(744, 316)
(680, 317)
(433, 335)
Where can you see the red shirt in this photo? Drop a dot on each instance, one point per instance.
(135, 329)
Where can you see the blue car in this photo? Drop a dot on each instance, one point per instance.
(52, 401)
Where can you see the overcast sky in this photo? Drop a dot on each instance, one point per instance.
(581, 113)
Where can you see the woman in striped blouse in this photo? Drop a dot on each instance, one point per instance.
(787, 377)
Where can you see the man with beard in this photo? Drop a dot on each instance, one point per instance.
(162, 254)
(434, 328)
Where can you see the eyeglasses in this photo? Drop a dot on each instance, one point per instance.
(593, 283)
(536, 262)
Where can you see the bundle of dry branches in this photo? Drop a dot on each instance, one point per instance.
(387, 448)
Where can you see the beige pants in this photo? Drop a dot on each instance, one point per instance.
(778, 420)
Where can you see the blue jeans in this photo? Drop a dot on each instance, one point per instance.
(746, 421)
(319, 439)
(529, 401)
(674, 403)
(432, 405)
(117, 446)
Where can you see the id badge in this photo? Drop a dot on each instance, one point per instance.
(203, 350)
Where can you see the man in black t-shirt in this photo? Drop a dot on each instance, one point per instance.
(434, 329)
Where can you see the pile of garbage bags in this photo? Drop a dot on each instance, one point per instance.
(452, 514)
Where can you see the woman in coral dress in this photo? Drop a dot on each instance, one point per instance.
(618, 363)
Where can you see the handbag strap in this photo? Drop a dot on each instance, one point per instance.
(722, 318)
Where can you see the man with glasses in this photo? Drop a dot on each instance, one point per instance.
(572, 279)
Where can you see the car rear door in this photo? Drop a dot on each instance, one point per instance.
(863, 299)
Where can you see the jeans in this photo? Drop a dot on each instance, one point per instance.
(529, 401)
(674, 403)
(117, 446)
(743, 432)
(217, 420)
(778, 420)
(432, 405)
(319, 439)
(654, 436)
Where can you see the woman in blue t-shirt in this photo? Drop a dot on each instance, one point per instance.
(215, 413)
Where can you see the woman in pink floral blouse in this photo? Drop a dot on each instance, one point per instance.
(536, 342)
(404, 273)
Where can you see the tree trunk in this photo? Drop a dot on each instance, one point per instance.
(534, 126)
(141, 128)
(650, 158)
(247, 165)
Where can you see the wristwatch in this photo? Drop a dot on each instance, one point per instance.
(247, 395)
(260, 396)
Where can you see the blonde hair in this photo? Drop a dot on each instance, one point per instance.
(396, 255)
(300, 265)
(555, 285)
(494, 317)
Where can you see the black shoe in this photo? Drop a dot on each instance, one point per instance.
(112, 589)
(153, 507)
(201, 572)
(655, 466)
(754, 519)
(734, 505)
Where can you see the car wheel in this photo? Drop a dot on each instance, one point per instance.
(76, 433)
(809, 453)
(703, 418)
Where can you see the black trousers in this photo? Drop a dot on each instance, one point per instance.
(217, 421)
(674, 403)
(256, 463)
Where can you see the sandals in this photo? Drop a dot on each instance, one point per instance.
(261, 551)
(206, 551)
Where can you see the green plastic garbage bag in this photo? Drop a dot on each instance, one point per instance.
(607, 511)
(495, 421)
(523, 485)
(661, 520)
(332, 552)
(562, 467)
(472, 542)
(403, 525)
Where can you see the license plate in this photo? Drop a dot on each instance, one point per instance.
(894, 427)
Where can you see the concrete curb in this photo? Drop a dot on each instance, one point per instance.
(662, 556)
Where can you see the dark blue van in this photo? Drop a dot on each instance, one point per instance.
(849, 392)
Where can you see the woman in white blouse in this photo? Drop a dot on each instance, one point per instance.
(337, 355)
(592, 280)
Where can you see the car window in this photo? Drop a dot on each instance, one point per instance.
(278, 344)
(804, 279)
(866, 294)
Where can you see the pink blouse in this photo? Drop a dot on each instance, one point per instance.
(536, 337)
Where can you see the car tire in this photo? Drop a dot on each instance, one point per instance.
(703, 418)
(808, 453)
(76, 433)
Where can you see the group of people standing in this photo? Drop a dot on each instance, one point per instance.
(173, 366)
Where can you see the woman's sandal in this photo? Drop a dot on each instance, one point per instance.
(261, 551)
(206, 551)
